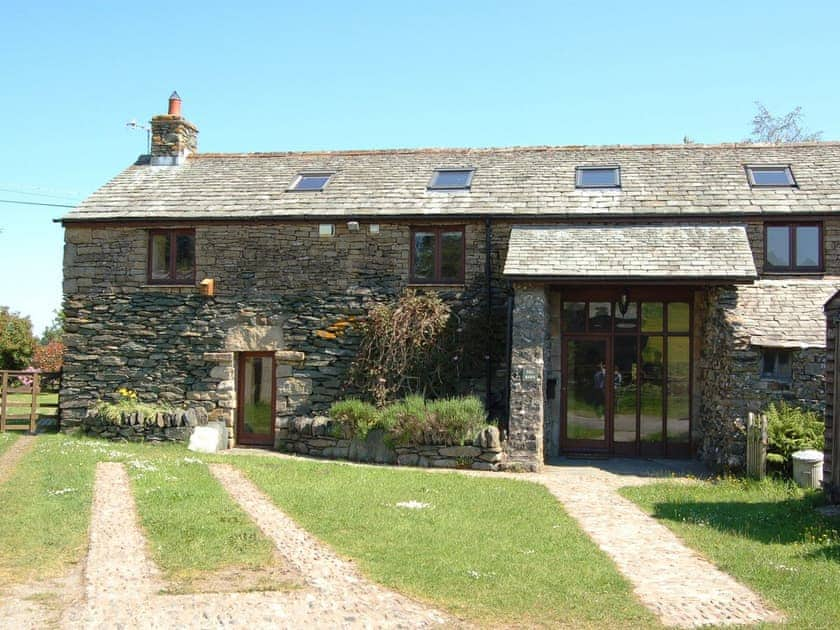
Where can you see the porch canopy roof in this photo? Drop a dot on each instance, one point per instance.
(621, 253)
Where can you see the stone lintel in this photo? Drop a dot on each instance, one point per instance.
(218, 357)
(289, 356)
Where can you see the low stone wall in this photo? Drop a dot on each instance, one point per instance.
(322, 437)
(169, 427)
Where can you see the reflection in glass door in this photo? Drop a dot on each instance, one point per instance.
(627, 375)
(587, 393)
(255, 399)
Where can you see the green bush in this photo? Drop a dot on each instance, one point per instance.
(792, 429)
(413, 420)
(408, 421)
(128, 403)
(360, 417)
(457, 420)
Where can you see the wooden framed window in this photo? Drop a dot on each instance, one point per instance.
(793, 247)
(437, 255)
(775, 364)
(171, 257)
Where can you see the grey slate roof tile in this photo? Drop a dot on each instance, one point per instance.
(683, 252)
(660, 180)
(785, 313)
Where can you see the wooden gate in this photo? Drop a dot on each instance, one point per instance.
(20, 406)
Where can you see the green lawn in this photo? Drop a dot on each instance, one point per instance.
(194, 528)
(6, 440)
(765, 534)
(496, 551)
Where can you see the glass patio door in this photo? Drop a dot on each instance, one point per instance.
(587, 392)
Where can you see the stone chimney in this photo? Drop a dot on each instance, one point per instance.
(173, 137)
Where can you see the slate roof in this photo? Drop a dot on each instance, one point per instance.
(659, 180)
(685, 252)
(785, 313)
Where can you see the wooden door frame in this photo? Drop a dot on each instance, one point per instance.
(241, 437)
(586, 446)
(663, 448)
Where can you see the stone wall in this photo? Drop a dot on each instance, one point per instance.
(730, 383)
(321, 437)
(279, 287)
(528, 348)
(176, 426)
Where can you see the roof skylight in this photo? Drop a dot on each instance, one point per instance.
(310, 182)
(597, 177)
(779, 176)
(451, 179)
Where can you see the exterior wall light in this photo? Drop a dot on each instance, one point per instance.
(624, 302)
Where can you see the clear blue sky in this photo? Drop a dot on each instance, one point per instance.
(335, 75)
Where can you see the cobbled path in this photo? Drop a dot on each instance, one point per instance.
(676, 583)
(122, 584)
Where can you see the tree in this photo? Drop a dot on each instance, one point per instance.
(55, 331)
(787, 128)
(16, 341)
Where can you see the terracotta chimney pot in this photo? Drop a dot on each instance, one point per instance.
(174, 104)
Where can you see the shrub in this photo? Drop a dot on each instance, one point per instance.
(359, 416)
(408, 421)
(402, 348)
(792, 429)
(48, 357)
(413, 420)
(127, 403)
(457, 419)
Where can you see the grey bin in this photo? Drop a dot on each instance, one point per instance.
(808, 468)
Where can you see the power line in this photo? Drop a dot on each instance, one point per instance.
(35, 194)
(35, 203)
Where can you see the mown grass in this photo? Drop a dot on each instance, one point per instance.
(193, 527)
(766, 535)
(493, 550)
(45, 511)
(6, 440)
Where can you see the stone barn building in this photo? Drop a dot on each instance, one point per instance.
(636, 299)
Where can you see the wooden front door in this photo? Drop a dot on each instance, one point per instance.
(256, 395)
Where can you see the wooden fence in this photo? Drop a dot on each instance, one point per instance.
(756, 446)
(20, 404)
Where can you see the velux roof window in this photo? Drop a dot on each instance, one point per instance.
(770, 176)
(310, 182)
(597, 177)
(451, 179)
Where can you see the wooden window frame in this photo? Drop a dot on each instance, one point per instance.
(793, 267)
(775, 375)
(438, 231)
(172, 276)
